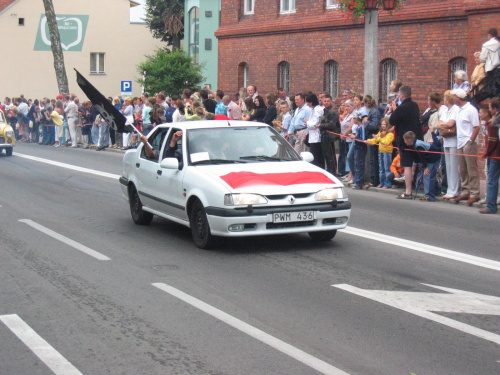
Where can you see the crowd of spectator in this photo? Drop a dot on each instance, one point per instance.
(402, 145)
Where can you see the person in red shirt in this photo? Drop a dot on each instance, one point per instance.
(492, 154)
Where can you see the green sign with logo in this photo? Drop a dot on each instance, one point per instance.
(72, 29)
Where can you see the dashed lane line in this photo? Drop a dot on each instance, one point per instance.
(256, 333)
(66, 240)
(43, 350)
(69, 166)
(428, 249)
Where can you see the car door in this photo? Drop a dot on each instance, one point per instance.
(169, 184)
(146, 169)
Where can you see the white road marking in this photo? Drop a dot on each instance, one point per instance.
(428, 249)
(423, 248)
(66, 240)
(421, 304)
(256, 333)
(51, 357)
(69, 166)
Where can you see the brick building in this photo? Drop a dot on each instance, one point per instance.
(307, 45)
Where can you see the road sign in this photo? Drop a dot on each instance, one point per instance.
(126, 87)
(421, 304)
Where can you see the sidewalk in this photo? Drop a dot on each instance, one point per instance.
(400, 189)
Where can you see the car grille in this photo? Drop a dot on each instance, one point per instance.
(283, 196)
(290, 225)
(2, 140)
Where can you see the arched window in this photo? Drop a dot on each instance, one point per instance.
(243, 75)
(194, 34)
(331, 82)
(389, 73)
(460, 63)
(284, 76)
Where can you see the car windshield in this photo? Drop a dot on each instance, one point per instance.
(238, 145)
(2, 117)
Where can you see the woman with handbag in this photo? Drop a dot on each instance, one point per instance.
(448, 131)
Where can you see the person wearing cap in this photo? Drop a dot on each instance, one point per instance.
(468, 126)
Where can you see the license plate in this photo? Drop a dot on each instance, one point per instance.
(290, 217)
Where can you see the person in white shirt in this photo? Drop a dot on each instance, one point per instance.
(313, 124)
(468, 126)
(447, 120)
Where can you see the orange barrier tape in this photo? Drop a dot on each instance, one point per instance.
(410, 149)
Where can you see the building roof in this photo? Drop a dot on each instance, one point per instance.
(5, 3)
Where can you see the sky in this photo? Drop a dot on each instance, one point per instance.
(136, 13)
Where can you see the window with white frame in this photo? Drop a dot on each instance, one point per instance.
(332, 78)
(332, 4)
(287, 6)
(284, 76)
(389, 73)
(97, 62)
(457, 64)
(194, 34)
(248, 6)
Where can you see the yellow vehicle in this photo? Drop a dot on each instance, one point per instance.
(7, 137)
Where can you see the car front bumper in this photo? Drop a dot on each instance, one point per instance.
(258, 221)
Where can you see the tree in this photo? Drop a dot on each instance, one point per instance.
(170, 71)
(165, 20)
(55, 44)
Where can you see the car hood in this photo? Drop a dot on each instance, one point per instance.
(266, 178)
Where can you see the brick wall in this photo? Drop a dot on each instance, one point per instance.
(423, 38)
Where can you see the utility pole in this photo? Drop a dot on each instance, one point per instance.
(371, 82)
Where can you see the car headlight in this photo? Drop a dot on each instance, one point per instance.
(243, 199)
(330, 194)
(9, 134)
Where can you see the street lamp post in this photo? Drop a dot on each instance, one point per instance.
(371, 79)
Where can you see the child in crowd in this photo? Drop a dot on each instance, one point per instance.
(360, 148)
(429, 161)
(384, 139)
(397, 174)
(286, 118)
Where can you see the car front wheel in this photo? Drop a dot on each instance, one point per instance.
(200, 229)
(139, 216)
(8, 151)
(323, 236)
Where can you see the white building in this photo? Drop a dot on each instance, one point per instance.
(97, 37)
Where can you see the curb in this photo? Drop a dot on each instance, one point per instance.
(399, 190)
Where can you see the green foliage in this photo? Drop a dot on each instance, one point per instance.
(354, 9)
(170, 71)
(165, 20)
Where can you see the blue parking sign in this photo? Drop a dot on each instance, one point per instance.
(126, 86)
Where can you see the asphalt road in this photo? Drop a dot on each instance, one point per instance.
(127, 299)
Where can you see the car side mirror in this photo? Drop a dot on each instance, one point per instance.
(170, 163)
(307, 156)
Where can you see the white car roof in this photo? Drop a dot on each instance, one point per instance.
(205, 124)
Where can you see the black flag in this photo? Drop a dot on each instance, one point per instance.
(110, 114)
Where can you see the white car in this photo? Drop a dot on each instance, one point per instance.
(232, 179)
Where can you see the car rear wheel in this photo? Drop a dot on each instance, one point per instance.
(323, 236)
(139, 216)
(200, 229)
(8, 151)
